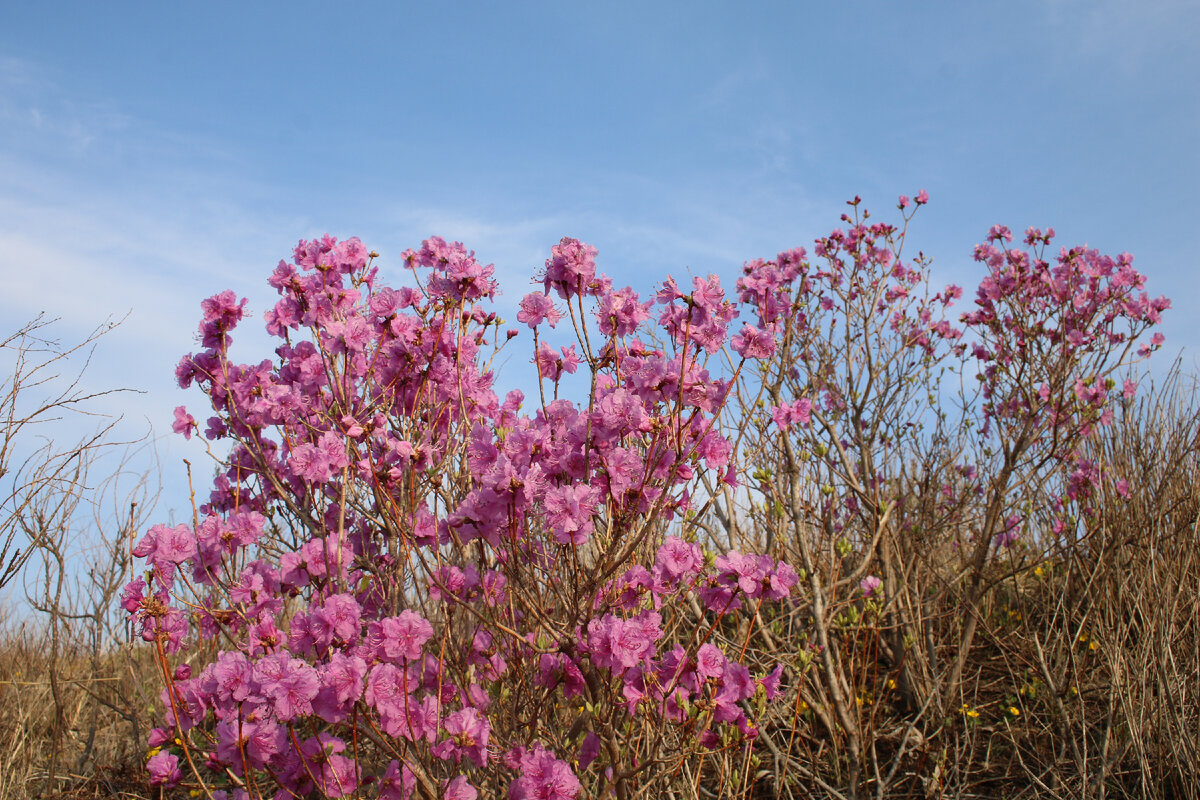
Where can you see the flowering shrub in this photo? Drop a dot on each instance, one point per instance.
(416, 588)
(1048, 340)
(411, 587)
(875, 469)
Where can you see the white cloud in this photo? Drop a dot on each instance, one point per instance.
(38, 115)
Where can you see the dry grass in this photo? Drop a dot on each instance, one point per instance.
(70, 721)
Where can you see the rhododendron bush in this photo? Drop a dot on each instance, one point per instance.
(408, 586)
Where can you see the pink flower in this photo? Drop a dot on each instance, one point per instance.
(455, 272)
(557, 669)
(922, 197)
(184, 422)
(870, 585)
(335, 774)
(544, 777)
(629, 643)
(387, 691)
(401, 637)
(293, 689)
(569, 512)
(710, 661)
(310, 463)
(788, 414)
(222, 312)
(460, 789)
(133, 595)
(620, 313)
(1000, 233)
(536, 307)
(344, 675)
(468, 732)
(772, 681)
(165, 548)
(1012, 524)
(398, 782)
(621, 644)
(754, 343)
(552, 365)
(624, 469)
(571, 268)
(678, 558)
(164, 769)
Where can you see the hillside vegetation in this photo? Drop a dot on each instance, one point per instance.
(831, 536)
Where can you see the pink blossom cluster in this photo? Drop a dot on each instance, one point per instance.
(863, 336)
(857, 290)
(389, 548)
(1047, 339)
(1080, 310)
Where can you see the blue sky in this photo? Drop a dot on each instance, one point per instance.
(152, 155)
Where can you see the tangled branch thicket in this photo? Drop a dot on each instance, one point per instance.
(1084, 679)
(401, 586)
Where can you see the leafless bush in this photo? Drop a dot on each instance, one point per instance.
(73, 692)
(1084, 678)
(35, 398)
